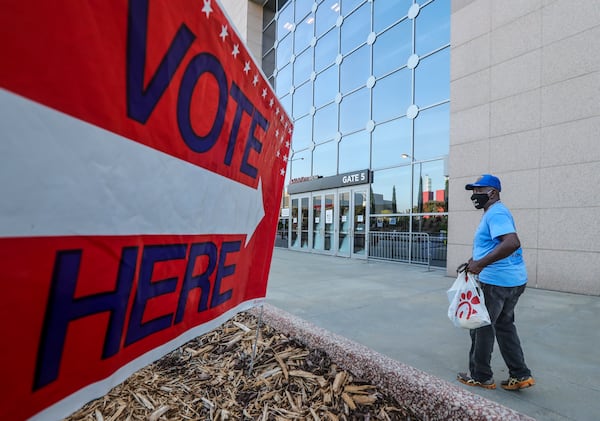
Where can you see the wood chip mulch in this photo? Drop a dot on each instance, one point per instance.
(214, 377)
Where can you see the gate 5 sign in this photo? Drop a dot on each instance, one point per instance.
(143, 158)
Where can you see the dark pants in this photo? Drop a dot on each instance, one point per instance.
(500, 302)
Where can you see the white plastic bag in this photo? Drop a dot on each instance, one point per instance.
(467, 305)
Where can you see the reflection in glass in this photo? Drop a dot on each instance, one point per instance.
(302, 67)
(326, 86)
(430, 187)
(303, 33)
(268, 63)
(344, 224)
(432, 79)
(326, 123)
(326, 50)
(432, 27)
(354, 111)
(318, 222)
(302, 9)
(325, 159)
(284, 51)
(355, 69)
(285, 21)
(392, 48)
(387, 12)
(392, 95)
(360, 220)
(302, 100)
(327, 14)
(356, 28)
(268, 38)
(391, 191)
(286, 101)
(432, 132)
(299, 164)
(302, 135)
(284, 81)
(354, 152)
(390, 141)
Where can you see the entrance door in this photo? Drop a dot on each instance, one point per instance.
(359, 226)
(344, 224)
(300, 223)
(323, 207)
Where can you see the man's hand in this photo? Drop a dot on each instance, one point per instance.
(474, 266)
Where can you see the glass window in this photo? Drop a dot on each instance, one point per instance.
(302, 100)
(354, 111)
(268, 63)
(432, 79)
(285, 21)
(392, 48)
(326, 123)
(391, 190)
(386, 13)
(432, 27)
(390, 141)
(268, 38)
(350, 5)
(284, 81)
(393, 223)
(355, 69)
(356, 28)
(326, 50)
(268, 12)
(354, 152)
(303, 33)
(302, 135)
(431, 187)
(284, 52)
(303, 67)
(392, 95)
(303, 8)
(326, 86)
(432, 132)
(286, 102)
(327, 14)
(299, 165)
(325, 159)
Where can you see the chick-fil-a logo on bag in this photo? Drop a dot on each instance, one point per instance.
(143, 159)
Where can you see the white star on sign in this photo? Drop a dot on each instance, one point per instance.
(271, 102)
(207, 9)
(282, 172)
(247, 67)
(277, 133)
(277, 111)
(278, 154)
(264, 93)
(236, 50)
(285, 158)
(287, 144)
(255, 80)
(224, 32)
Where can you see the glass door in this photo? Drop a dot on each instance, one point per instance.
(359, 226)
(300, 223)
(344, 224)
(318, 231)
(329, 231)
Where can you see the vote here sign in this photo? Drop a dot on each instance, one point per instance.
(143, 156)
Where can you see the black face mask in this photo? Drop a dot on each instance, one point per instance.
(480, 199)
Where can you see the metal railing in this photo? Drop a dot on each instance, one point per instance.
(419, 247)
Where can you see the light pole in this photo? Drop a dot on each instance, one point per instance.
(420, 197)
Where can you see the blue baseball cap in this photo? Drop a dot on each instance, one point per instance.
(486, 180)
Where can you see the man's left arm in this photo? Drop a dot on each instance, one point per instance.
(509, 243)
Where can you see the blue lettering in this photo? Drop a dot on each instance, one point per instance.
(223, 271)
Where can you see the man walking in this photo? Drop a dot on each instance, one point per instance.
(498, 259)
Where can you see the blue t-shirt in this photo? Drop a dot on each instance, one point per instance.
(510, 271)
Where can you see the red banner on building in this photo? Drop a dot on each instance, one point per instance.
(143, 158)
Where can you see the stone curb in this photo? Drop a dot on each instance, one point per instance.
(427, 396)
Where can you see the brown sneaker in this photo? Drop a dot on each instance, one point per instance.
(464, 378)
(514, 383)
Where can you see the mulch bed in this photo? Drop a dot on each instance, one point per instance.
(214, 377)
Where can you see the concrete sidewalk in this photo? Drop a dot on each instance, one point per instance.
(400, 311)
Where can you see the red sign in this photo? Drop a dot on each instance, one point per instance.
(143, 158)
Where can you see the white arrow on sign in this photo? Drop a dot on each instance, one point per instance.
(62, 176)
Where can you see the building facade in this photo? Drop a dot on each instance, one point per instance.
(397, 104)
